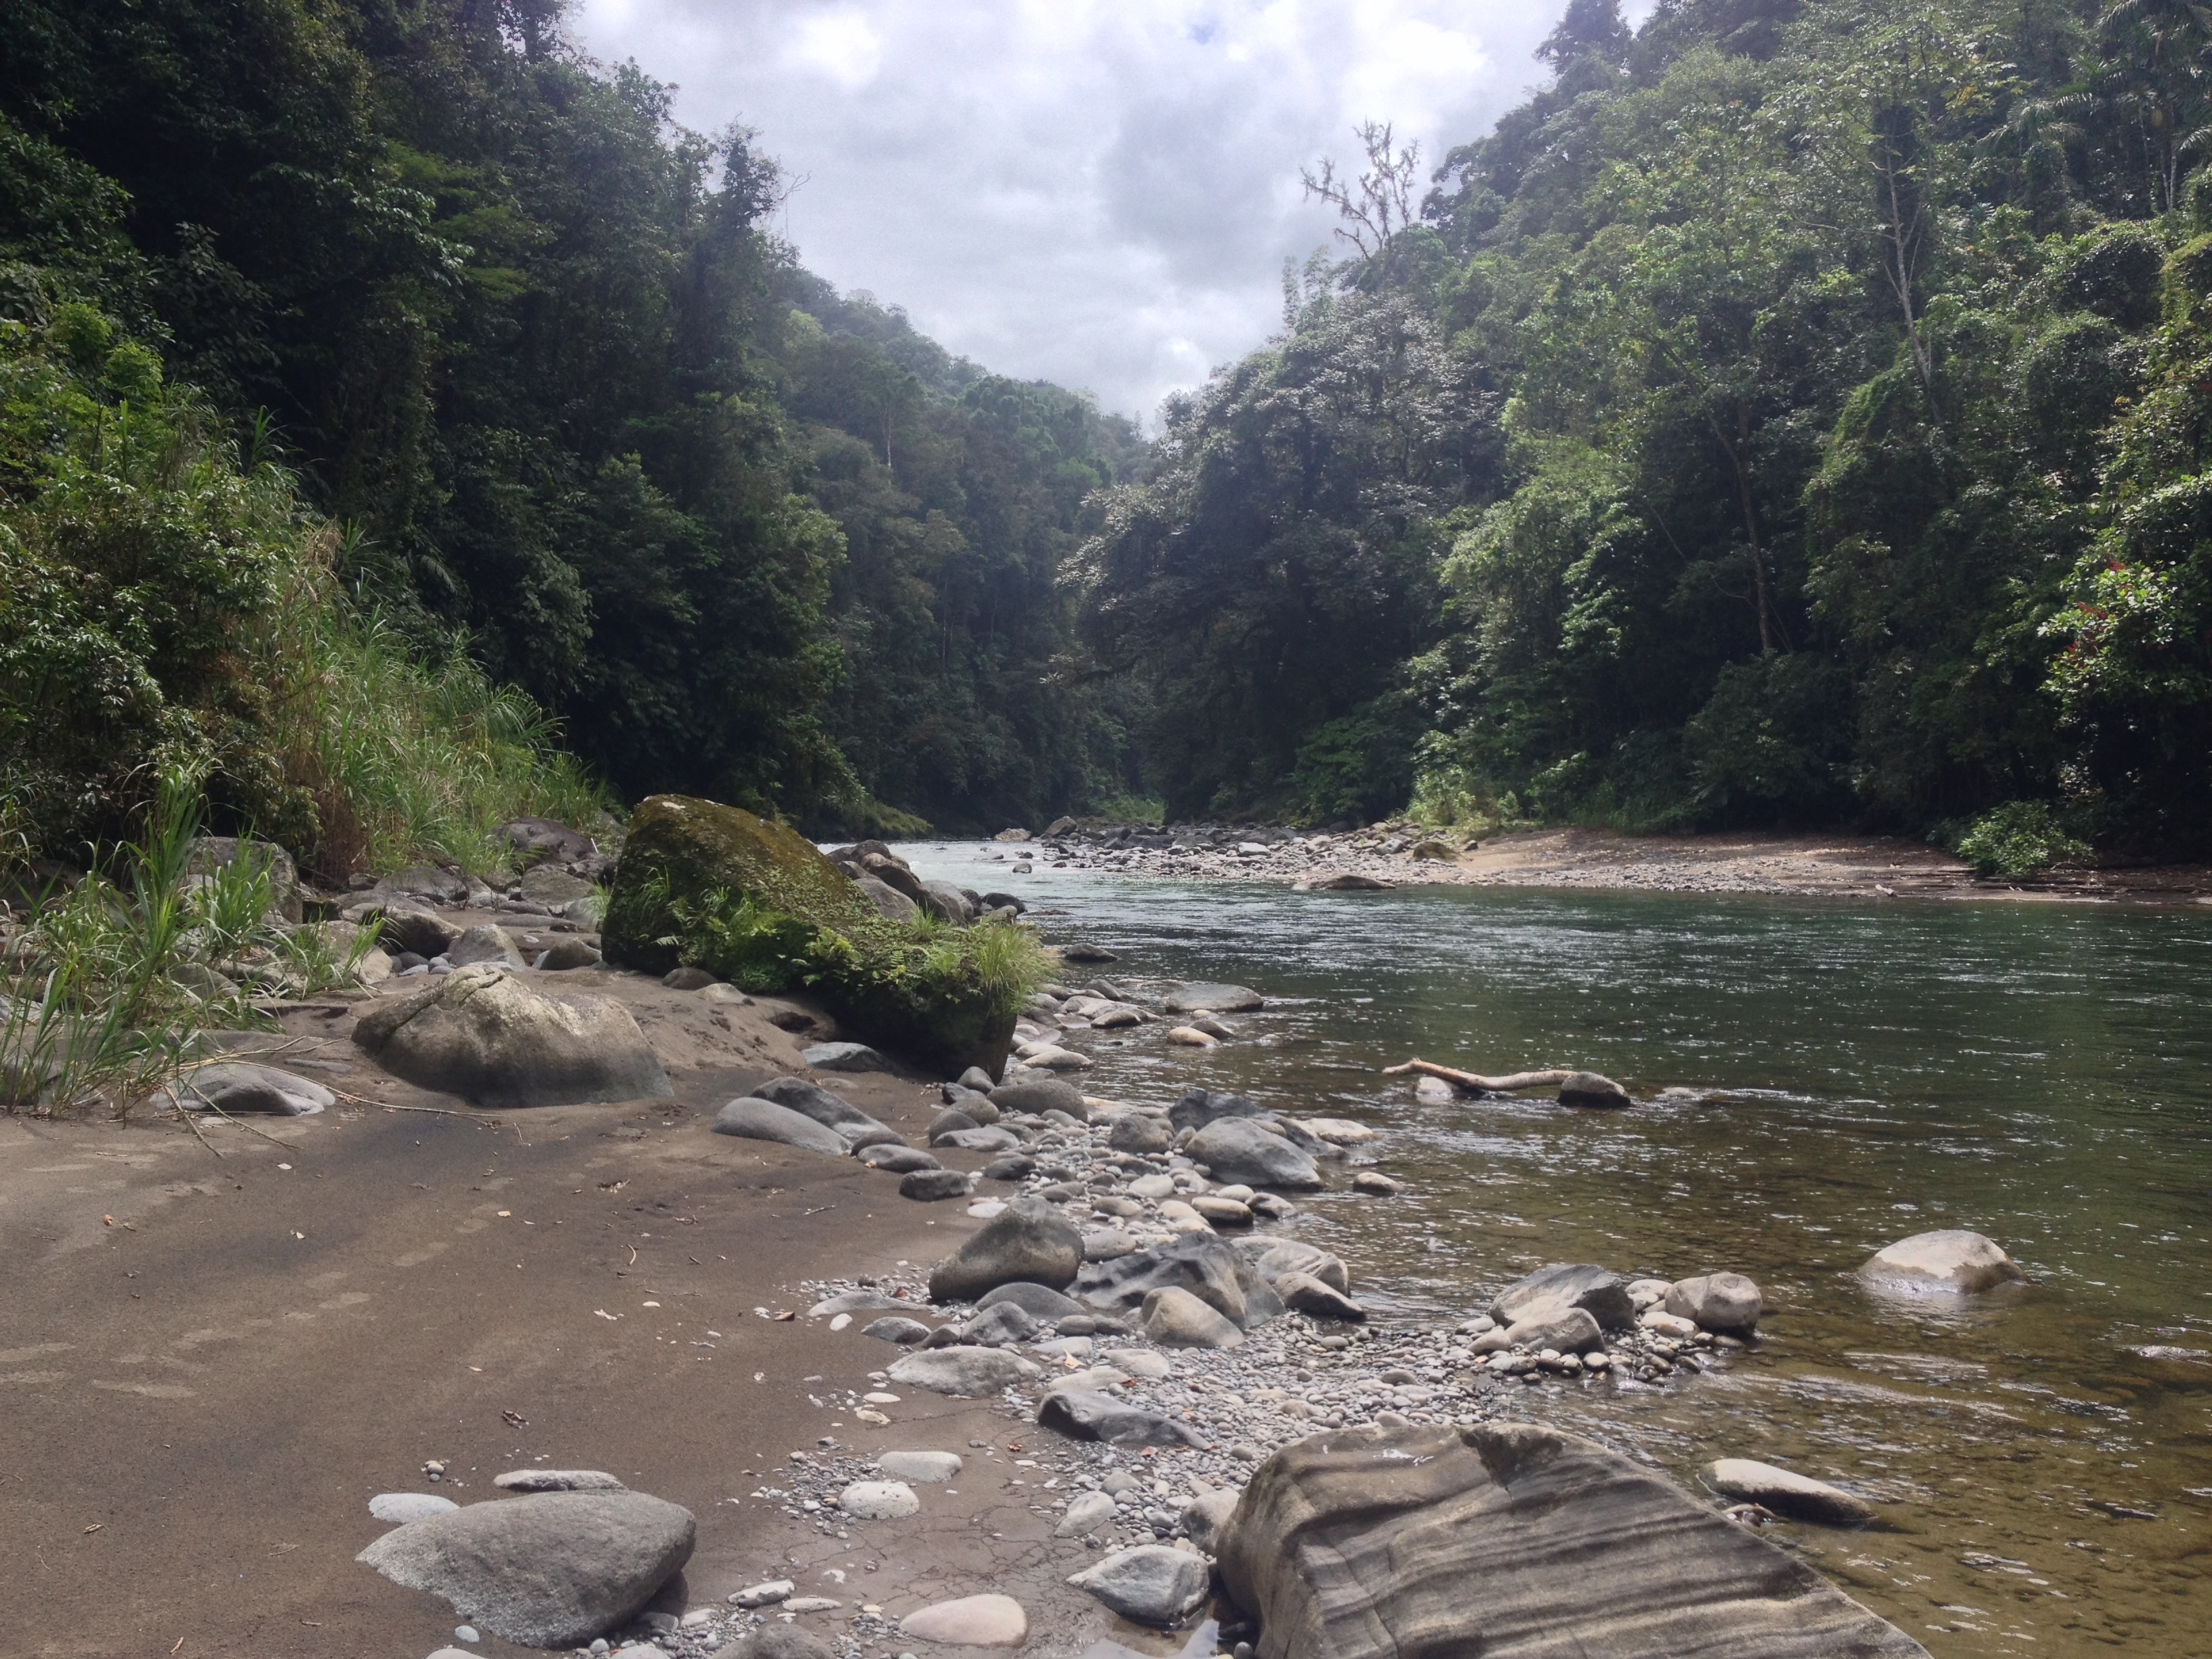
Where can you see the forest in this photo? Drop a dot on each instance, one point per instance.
(1788, 416)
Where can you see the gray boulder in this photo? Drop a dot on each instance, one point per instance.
(991, 1139)
(1135, 1131)
(933, 1186)
(1783, 1491)
(554, 889)
(397, 1507)
(824, 1106)
(844, 1057)
(557, 1480)
(1303, 1293)
(567, 954)
(895, 1159)
(1000, 1327)
(1203, 1264)
(1947, 1262)
(408, 924)
(234, 1086)
(1602, 1294)
(486, 942)
(479, 1033)
(1239, 1150)
(554, 1570)
(1490, 1539)
(1028, 1241)
(1569, 1330)
(1151, 1585)
(1207, 1515)
(896, 1327)
(977, 1079)
(960, 1370)
(1039, 1303)
(859, 1140)
(1172, 1317)
(1199, 1107)
(1274, 1257)
(1719, 1302)
(891, 904)
(946, 1121)
(947, 903)
(764, 1120)
(1214, 1000)
(1593, 1089)
(1039, 1096)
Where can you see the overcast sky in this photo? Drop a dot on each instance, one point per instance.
(1098, 194)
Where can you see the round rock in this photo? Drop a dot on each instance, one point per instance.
(880, 1500)
(1719, 1302)
(1949, 1261)
(1151, 1585)
(974, 1621)
(928, 1468)
(1786, 1492)
(400, 1507)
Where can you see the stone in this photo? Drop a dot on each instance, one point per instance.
(1590, 1088)
(687, 979)
(764, 1120)
(1031, 1242)
(1221, 1212)
(896, 1327)
(777, 1641)
(1353, 881)
(927, 1468)
(554, 889)
(1000, 1327)
(557, 1480)
(408, 923)
(978, 1080)
(1135, 1131)
(844, 1057)
(1516, 1542)
(975, 1621)
(1174, 1318)
(1201, 1263)
(1106, 1243)
(1783, 1492)
(951, 1121)
(891, 904)
(1596, 1291)
(209, 854)
(858, 1141)
(1375, 1184)
(479, 1033)
(1009, 1169)
(548, 840)
(1091, 1415)
(1046, 1305)
(1151, 1585)
(1272, 1256)
(898, 1160)
(1189, 1036)
(1238, 1149)
(945, 901)
(400, 1507)
(1214, 1000)
(1719, 1301)
(826, 1106)
(1662, 1322)
(933, 1186)
(880, 1500)
(989, 1139)
(1434, 1091)
(1947, 1262)
(1303, 1293)
(567, 954)
(853, 1302)
(1205, 1515)
(1568, 1330)
(1337, 1131)
(1087, 1512)
(969, 1372)
(485, 941)
(552, 1570)
(1039, 1096)
(238, 1088)
(1054, 1058)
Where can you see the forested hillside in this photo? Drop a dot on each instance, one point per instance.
(524, 343)
(1790, 414)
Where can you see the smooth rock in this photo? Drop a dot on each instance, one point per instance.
(978, 1080)
(1569, 1330)
(1337, 1131)
(1375, 1184)
(1205, 1515)
(844, 1057)
(1237, 1149)
(400, 1507)
(1009, 1169)
(896, 1327)
(764, 1120)
(566, 954)
(880, 1500)
(485, 941)
(1041, 1303)
(1214, 1000)
(479, 1033)
(933, 1186)
(238, 1088)
(1303, 1293)
(1201, 1263)
(1087, 1512)
(988, 1139)
(1040, 1095)
(1786, 1493)
(964, 1370)
(858, 1141)
(1274, 1257)
(1719, 1301)
(826, 1106)
(552, 1570)
(765, 1593)
(1151, 1585)
(1189, 1036)
(1031, 1242)
(1515, 1542)
(687, 979)
(897, 1160)
(928, 1468)
(1000, 1327)
(891, 904)
(1591, 1089)
(947, 903)
(1135, 1131)
(557, 1480)
(1089, 1414)
(975, 1621)
(1947, 1262)
(1199, 1107)
(1221, 1212)
(775, 1641)
(1598, 1292)
(1174, 1318)
(1141, 1362)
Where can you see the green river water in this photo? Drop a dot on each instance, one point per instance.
(2040, 1073)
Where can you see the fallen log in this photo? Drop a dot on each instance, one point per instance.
(1511, 1083)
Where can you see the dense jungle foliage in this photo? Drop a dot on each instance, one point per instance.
(419, 270)
(1790, 414)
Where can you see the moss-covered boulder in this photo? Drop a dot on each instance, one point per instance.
(755, 903)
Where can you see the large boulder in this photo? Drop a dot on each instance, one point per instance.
(480, 1033)
(764, 1120)
(961, 1370)
(555, 1570)
(1719, 1302)
(1237, 1149)
(1602, 1294)
(947, 903)
(808, 922)
(1171, 1317)
(891, 904)
(1515, 1542)
(1199, 1107)
(1028, 1241)
(1202, 1263)
(1151, 1585)
(1947, 1262)
(1040, 1095)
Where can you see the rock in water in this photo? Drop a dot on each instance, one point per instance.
(1786, 1492)
(1569, 1330)
(974, 1621)
(235, 1086)
(1719, 1302)
(1947, 1262)
(1151, 1585)
(1487, 1540)
(1199, 1107)
(1593, 1089)
(550, 1571)
(1239, 1150)
(1031, 1241)
(764, 1120)
(891, 904)
(1275, 1255)
(1303, 1293)
(480, 1034)
(1214, 1000)
(1134, 1132)
(968, 1372)
(1602, 1295)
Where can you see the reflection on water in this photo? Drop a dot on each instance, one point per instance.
(2042, 1074)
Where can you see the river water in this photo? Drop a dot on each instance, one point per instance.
(2040, 1073)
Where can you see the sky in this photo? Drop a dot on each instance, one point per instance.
(1101, 194)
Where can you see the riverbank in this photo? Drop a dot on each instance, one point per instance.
(1403, 856)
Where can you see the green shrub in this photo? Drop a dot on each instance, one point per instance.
(2017, 838)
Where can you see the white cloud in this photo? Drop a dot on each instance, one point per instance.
(1099, 194)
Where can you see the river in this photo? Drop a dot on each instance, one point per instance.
(2041, 1073)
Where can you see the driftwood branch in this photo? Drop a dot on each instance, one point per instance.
(1475, 1083)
